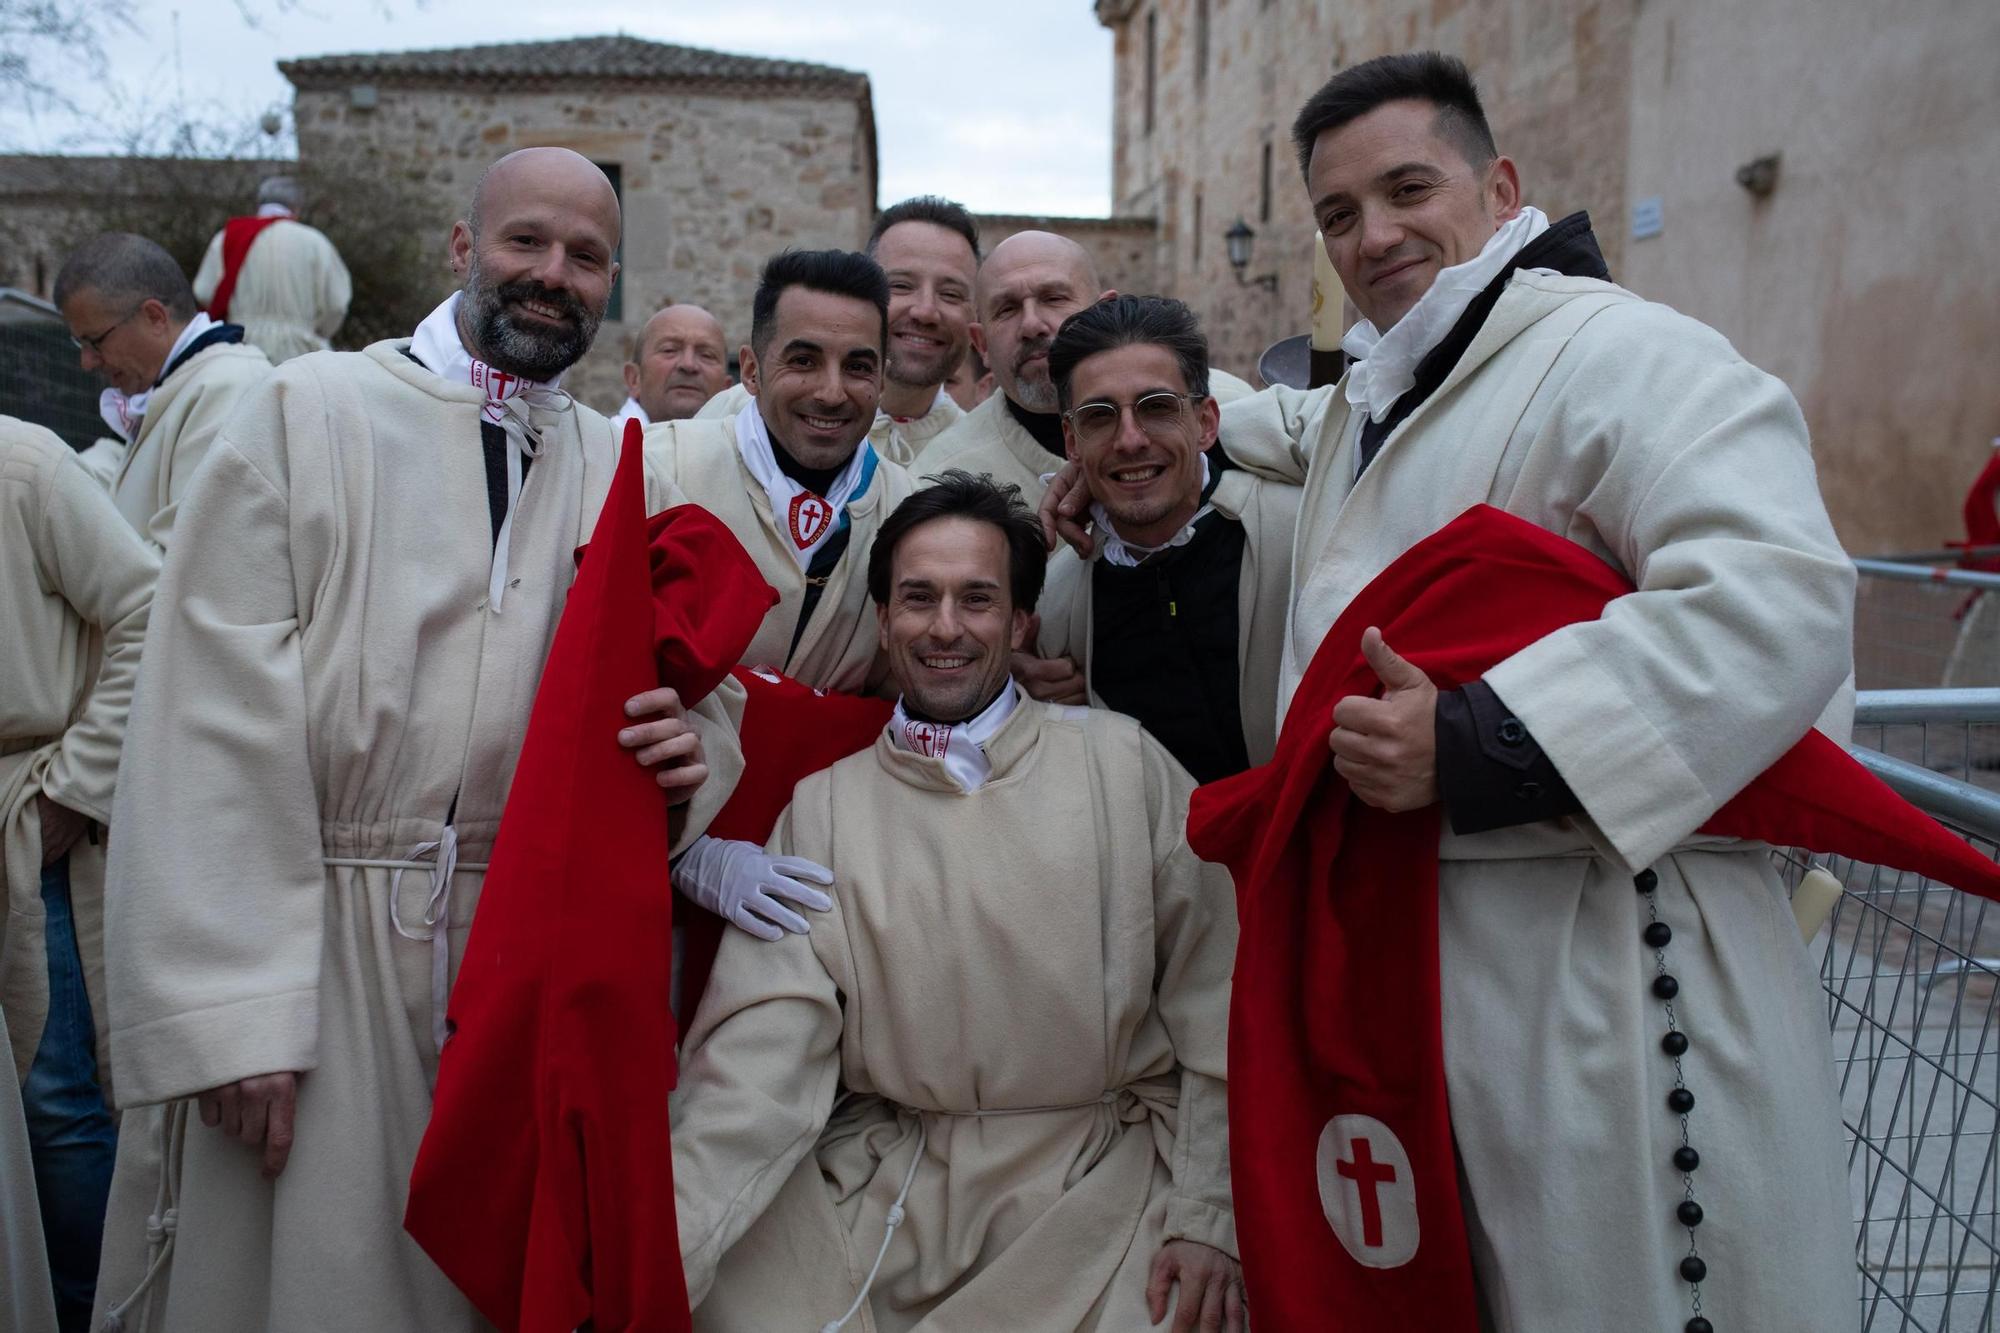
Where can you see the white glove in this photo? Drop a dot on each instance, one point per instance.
(740, 884)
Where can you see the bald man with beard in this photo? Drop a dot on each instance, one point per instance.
(351, 632)
(680, 360)
(1028, 285)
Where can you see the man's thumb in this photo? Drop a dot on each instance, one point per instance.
(1394, 672)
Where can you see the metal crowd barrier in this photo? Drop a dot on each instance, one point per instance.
(1912, 976)
(1919, 622)
(41, 379)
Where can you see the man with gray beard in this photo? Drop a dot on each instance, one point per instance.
(363, 590)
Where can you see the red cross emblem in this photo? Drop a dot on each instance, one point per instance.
(1368, 1190)
(810, 518)
(497, 382)
(926, 739)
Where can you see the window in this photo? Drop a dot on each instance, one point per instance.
(1197, 228)
(1152, 61)
(1264, 186)
(1200, 44)
(615, 311)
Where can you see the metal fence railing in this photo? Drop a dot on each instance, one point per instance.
(40, 378)
(1912, 976)
(1920, 623)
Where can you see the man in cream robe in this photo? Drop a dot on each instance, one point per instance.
(982, 1093)
(292, 289)
(375, 560)
(1177, 615)
(73, 608)
(1028, 285)
(792, 473)
(174, 373)
(1512, 374)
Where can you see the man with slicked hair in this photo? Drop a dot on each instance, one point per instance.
(347, 643)
(172, 374)
(929, 249)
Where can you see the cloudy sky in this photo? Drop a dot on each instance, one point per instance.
(1007, 114)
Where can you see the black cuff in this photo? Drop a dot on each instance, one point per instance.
(1491, 773)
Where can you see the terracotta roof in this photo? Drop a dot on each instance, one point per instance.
(576, 60)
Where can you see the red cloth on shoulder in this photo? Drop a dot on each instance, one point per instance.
(237, 234)
(1341, 1149)
(790, 731)
(1982, 516)
(544, 1184)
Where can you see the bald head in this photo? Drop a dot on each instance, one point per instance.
(680, 360)
(1030, 283)
(536, 252)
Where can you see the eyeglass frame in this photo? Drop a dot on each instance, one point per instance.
(1183, 403)
(96, 342)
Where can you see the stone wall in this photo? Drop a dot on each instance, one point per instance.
(712, 184)
(1123, 248)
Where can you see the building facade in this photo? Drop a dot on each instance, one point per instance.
(1812, 179)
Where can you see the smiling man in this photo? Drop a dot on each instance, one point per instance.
(173, 375)
(338, 676)
(680, 360)
(1634, 1044)
(1018, 998)
(1177, 617)
(792, 472)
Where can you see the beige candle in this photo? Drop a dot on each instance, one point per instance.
(1326, 307)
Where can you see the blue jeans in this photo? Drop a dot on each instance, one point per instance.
(71, 1135)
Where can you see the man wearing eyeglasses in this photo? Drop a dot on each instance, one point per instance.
(1177, 616)
(173, 374)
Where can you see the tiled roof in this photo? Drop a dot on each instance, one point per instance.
(576, 60)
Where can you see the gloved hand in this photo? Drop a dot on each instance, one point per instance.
(742, 885)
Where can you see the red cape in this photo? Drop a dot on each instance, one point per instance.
(1982, 516)
(1338, 1115)
(544, 1185)
(237, 234)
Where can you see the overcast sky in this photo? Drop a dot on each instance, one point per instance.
(1010, 114)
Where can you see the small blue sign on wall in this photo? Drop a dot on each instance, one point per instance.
(1646, 219)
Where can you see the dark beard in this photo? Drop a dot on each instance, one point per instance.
(532, 352)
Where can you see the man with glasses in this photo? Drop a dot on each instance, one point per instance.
(1177, 616)
(173, 374)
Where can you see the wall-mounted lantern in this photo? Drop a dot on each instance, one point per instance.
(1240, 239)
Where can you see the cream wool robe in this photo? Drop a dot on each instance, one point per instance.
(183, 417)
(291, 293)
(27, 1300)
(988, 439)
(839, 647)
(1269, 513)
(327, 688)
(1642, 435)
(896, 440)
(1023, 991)
(76, 585)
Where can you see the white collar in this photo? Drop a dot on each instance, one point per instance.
(1385, 364)
(1129, 554)
(804, 520)
(632, 411)
(960, 746)
(120, 411)
(273, 211)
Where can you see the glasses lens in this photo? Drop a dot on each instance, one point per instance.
(1158, 413)
(1094, 421)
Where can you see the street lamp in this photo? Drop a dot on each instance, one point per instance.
(1239, 239)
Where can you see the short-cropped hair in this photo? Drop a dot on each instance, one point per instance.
(1421, 76)
(959, 494)
(282, 190)
(1125, 321)
(931, 208)
(837, 272)
(126, 270)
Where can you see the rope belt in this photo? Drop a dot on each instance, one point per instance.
(440, 860)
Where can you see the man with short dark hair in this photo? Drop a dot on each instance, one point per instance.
(1639, 1082)
(929, 249)
(282, 280)
(339, 671)
(680, 360)
(1016, 997)
(792, 472)
(1177, 617)
(173, 373)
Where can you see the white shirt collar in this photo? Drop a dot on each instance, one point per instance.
(1118, 551)
(122, 412)
(960, 746)
(1385, 364)
(273, 211)
(631, 411)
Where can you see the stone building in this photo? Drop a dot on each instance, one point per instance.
(1861, 264)
(719, 159)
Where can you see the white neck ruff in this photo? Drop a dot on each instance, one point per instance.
(804, 520)
(959, 746)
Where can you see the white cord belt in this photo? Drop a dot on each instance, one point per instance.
(440, 859)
